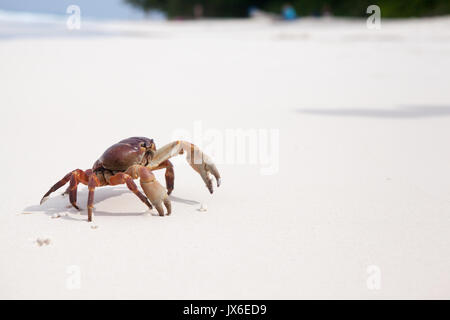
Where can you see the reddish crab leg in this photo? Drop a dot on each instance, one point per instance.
(93, 182)
(169, 175)
(56, 186)
(77, 177)
(80, 176)
(73, 191)
(120, 178)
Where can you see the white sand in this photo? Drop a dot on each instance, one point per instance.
(364, 177)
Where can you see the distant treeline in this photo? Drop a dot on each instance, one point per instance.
(240, 8)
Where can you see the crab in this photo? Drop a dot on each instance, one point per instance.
(134, 158)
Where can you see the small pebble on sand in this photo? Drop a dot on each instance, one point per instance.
(43, 241)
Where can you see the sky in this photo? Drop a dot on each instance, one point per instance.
(102, 9)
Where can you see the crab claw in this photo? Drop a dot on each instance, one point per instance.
(203, 164)
(206, 170)
(199, 161)
(154, 191)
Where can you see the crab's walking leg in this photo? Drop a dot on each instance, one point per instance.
(120, 178)
(77, 177)
(199, 161)
(73, 191)
(80, 175)
(56, 186)
(93, 182)
(169, 175)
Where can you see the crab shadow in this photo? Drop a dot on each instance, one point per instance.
(60, 203)
(400, 112)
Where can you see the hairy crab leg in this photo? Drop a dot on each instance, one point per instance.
(169, 175)
(199, 161)
(121, 177)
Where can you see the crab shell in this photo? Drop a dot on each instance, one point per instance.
(126, 153)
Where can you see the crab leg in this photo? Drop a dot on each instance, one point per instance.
(169, 175)
(199, 161)
(73, 191)
(152, 188)
(93, 182)
(56, 186)
(120, 178)
(79, 174)
(77, 177)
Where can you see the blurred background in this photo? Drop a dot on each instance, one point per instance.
(188, 9)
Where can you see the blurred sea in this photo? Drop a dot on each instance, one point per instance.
(21, 24)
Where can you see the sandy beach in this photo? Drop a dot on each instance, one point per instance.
(346, 193)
